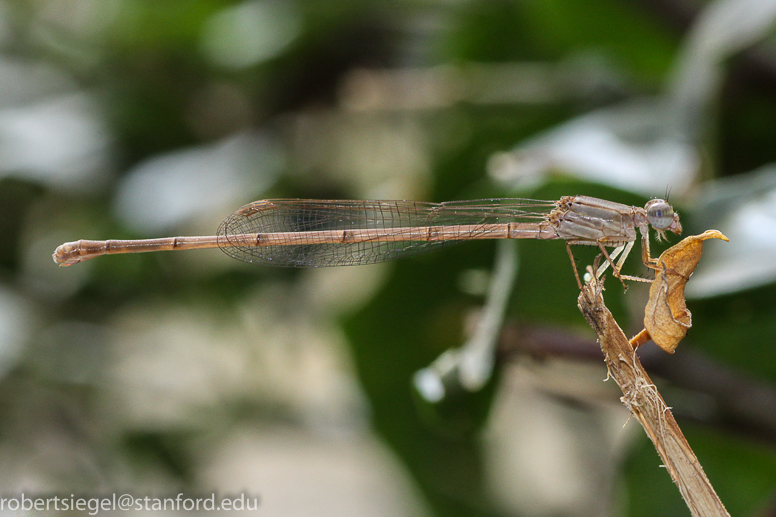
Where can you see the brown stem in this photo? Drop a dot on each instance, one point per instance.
(641, 397)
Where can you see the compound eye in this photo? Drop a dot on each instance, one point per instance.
(659, 214)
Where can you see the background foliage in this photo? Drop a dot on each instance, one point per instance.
(189, 371)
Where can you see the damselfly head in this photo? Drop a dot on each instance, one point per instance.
(662, 217)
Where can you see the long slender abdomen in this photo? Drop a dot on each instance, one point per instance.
(74, 252)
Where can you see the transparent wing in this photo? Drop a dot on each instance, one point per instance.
(286, 217)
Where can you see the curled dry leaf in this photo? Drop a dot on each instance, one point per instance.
(666, 317)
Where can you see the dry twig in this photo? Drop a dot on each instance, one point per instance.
(640, 395)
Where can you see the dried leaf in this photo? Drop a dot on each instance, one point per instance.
(666, 316)
(641, 397)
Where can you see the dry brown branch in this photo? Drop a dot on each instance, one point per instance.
(641, 397)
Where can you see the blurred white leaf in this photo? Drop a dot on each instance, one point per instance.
(471, 366)
(744, 209)
(26, 83)
(621, 146)
(723, 28)
(249, 33)
(648, 147)
(60, 142)
(354, 477)
(167, 190)
(478, 355)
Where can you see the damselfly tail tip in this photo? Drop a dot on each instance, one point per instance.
(65, 254)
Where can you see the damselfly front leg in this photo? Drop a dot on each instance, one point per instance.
(646, 257)
(610, 257)
(616, 268)
(625, 250)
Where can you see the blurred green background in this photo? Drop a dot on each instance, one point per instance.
(192, 372)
